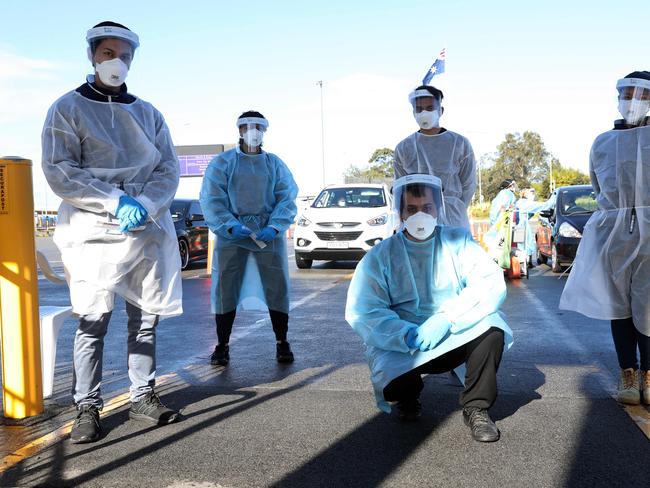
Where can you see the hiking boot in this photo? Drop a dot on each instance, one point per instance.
(644, 377)
(86, 426)
(481, 425)
(628, 388)
(221, 355)
(409, 410)
(150, 409)
(283, 352)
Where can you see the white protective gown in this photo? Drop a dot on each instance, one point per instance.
(94, 151)
(610, 278)
(450, 157)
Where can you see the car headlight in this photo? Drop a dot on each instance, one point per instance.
(567, 230)
(381, 220)
(303, 221)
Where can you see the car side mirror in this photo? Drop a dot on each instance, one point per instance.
(547, 214)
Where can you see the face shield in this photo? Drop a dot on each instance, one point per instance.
(633, 99)
(426, 108)
(251, 130)
(418, 200)
(111, 72)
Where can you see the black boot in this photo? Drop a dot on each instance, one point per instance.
(409, 410)
(481, 425)
(221, 355)
(283, 352)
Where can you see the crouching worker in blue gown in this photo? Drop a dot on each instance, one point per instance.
(425, 301)
(248, 199)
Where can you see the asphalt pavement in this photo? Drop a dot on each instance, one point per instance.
(314, 423)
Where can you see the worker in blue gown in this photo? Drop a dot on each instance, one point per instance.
(426, 300)
(526, 207)
(248, 200)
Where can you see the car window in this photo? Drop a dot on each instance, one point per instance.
(178, 209)
(359, 197)
(577, 201)
(195, 209)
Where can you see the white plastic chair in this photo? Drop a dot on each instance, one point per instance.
(51, 320)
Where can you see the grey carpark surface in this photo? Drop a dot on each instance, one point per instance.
(314, 423)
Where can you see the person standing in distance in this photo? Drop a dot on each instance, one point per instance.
(440, 152)
(248, 199)
(109, 156)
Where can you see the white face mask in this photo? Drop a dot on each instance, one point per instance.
(426, 119)
(420, 225)
(253, 137)
(112, 72)
(634, 110)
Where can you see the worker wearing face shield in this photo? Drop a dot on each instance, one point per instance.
(440, 152)
(526, 207)
(610, 279)
(248, 200)
(426, 301)
(109, 156)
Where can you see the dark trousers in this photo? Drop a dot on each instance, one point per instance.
(481, 357)
(279, 320)
(626, 340)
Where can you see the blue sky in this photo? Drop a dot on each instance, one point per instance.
(548, 67)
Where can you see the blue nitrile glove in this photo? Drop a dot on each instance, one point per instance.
(267, 234)
(131, 213)
(431, 332)
(410, 337)
(240, 231)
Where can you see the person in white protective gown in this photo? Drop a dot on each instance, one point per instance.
(109, 156)
(248, 200)
(610, 278)
(440, 152)
(526, 207)
(426, 300)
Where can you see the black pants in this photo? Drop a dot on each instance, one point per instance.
(280, 321)
(482, 357)
(626, 340)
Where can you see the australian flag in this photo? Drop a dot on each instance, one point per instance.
(437, 68)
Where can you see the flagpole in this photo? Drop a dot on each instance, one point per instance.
(322, 129)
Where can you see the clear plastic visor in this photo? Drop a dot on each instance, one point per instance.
(419, 193)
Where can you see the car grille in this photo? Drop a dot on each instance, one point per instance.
(338, 225)
(337, 236)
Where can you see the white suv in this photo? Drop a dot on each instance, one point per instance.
(343, 223)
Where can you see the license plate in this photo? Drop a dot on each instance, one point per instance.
(338, 245)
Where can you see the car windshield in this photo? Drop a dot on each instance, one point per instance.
(178, 209)
(572, 202)
(358, 197)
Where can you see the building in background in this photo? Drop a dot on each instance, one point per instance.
(193, 161)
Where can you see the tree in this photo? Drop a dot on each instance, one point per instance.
(379, 169)
(521, 157)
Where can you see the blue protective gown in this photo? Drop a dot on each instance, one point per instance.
(525, 209)
(255, 190)
(504, 199)
(401, 283)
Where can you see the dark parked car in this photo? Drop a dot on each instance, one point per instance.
(560, 228)
(191, 230)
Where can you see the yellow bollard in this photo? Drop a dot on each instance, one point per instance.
(22, 388)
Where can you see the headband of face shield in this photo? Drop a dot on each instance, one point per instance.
(426, 108)
(418, 200)
(253, 130)
(633, 99)
(103, 32)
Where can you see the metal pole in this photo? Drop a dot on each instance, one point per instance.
(322, 129)
(480, 187)
(22, 379)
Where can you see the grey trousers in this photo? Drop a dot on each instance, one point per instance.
(89, 351)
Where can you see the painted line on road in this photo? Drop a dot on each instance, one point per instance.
(639, 415)
(51, 438)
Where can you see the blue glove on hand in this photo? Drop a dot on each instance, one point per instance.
(131, 213)
(240, 231)
(410, 337)
(431, 332)
(267, 234)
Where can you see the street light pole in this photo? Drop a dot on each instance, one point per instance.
(322, 129)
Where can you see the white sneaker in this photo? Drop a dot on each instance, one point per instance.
(628, 389)
(644, 380)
